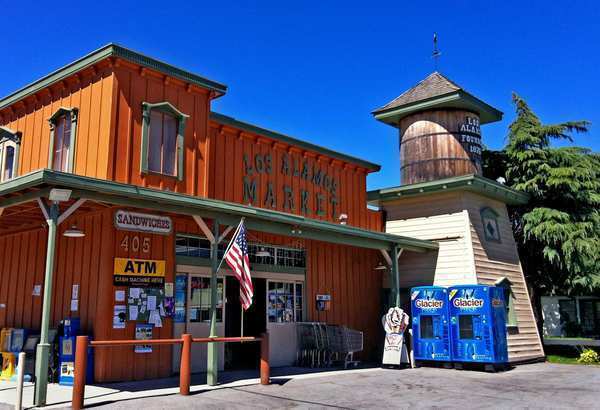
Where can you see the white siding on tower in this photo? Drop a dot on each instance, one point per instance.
(453, 263)
(453, 220)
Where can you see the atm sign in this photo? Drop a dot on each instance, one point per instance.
(139, 272)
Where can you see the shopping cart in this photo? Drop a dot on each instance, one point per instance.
(353, 340)
(307, 344)
(322, 345)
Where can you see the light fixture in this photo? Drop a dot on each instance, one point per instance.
(296, 230)
(59, 195)
(343, 218)
(263, 253)
(74, 232)
(381, 266)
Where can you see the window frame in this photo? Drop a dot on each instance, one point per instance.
(511, 313)
(165, 108)
(74, 113)
(9, 138)
(488, 212)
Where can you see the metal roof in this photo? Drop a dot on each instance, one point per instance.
(472, 183)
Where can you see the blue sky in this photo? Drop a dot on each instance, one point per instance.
(315, 70)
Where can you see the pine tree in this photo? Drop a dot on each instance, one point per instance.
(558, 230)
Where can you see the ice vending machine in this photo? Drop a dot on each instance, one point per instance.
(478, 324)
(430, 323)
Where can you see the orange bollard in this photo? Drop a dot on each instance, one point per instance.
(185, 369)
(80, 372)
(265, 369)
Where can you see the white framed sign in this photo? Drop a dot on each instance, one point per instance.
(134, 221)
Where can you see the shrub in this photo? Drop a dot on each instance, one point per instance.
(589, 356)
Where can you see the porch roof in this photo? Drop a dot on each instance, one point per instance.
(29, 187)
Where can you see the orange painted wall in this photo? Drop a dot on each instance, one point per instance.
(132, 88)
(91, 92)
(109, 97)
(233, 151)
(78, 261)
(347, 274)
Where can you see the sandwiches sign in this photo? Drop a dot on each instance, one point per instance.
(133, 221)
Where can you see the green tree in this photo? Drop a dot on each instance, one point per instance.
(558, 231)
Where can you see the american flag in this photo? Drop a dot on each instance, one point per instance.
(237, 259)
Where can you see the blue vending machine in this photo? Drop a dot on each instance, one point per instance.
(430, 324)
(478, 325)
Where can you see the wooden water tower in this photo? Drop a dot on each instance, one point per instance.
(439, 125)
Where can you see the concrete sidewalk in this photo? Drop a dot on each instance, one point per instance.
(60, 396)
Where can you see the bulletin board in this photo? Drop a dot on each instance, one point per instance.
(149, 305)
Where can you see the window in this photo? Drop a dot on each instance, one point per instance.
(284, 302)
(489, 219)
(10, 142)
(261, 254)
(590, 316)
(188, 245)
(63, 127)
(163, 127)
(509, 301)
(200, 294)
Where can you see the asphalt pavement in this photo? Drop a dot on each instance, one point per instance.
(541, 385)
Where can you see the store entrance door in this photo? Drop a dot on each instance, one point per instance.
(244, 355)
(198, 317)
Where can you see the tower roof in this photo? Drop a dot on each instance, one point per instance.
(435, 91)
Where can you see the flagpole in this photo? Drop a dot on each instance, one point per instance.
(230, 242)
(242, 305)
(242, 331)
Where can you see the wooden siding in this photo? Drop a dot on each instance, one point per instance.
(91, 93)
(452, 264)
(109, 98)
(231, 147)
(494, 261)
(23, 257)
(348, 275)
(430, 146)
(469, 257)
(132, 89)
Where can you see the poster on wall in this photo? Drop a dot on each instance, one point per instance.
(180, 296)
(119, 317)
(143, 332)
(395, 322)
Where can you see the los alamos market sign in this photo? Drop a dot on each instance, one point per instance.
(133, 221)
(139, 272)
(262, 164)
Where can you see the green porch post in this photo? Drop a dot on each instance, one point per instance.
(395, 277)
(212, 366)
(43, 348)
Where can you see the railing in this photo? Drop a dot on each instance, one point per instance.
(185, 373)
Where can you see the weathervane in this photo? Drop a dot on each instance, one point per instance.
(436, 53)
